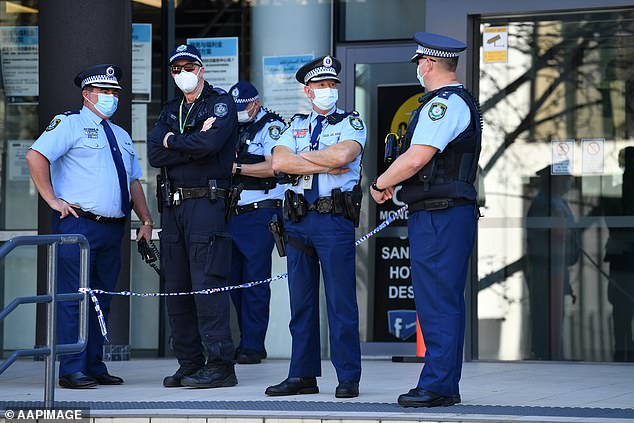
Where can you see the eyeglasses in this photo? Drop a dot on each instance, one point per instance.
(98, 90)
(190, 67)
(428, 58)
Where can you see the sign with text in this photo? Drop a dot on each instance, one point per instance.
(495, 44)
(19, 51)
(220, 59)
(142, 62)
(563, 156)
(282, 93)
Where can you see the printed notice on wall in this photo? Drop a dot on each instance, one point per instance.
(220, 58)
(282, 92)
(563, 156)
(16, 160)
(495, 44)
(19, 61)
(142, 62)
(592, 155)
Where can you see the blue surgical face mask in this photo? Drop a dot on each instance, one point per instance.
(106, 104)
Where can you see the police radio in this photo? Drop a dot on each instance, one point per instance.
(393, 147)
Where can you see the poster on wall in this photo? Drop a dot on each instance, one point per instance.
(592, 156)
(141, 62)
(16, 160)
(20, 65)
(220, 59)
(563, 156)
(282, 92)
(495, 44)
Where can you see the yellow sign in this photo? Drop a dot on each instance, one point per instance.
(495, 44)
(402, 115)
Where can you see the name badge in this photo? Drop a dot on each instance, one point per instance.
(307, 181)
(92, 133)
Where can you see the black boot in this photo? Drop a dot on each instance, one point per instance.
(294, 386)
(186, 369)
(213, 375)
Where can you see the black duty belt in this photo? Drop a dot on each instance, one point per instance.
(101, 219)
(200, 192)
(438, 204)
(264, 204)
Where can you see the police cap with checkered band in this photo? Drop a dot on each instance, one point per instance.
(102, 76)
(321, 69)
(436, 45)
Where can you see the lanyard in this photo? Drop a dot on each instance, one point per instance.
(181, 123)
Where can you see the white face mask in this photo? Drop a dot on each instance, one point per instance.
(325, 98)
(244, 115)
(187, 81)
(419, 76)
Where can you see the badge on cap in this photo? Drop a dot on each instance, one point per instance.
(181, 48)
(437, 111)
(221, 109)
(327, 61)
(110, 71)
(235, 92)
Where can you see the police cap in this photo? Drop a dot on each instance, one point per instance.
(102, 76)
(436, 45)
(320, 69)
(243, 93)
(186, 52)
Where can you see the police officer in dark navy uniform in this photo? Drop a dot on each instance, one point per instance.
(193, 142)
(437, 172)
(94, 173)
(260, 199)
(320, 213)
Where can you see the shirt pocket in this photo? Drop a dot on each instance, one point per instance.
(91, 150)
(128, 154)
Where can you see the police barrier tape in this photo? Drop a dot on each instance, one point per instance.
(102, 321)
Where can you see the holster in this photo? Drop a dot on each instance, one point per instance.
(352, 204)
(232, 200)
(159, 193)
(285, 178)
(337, 202)
(295, 206)
(164, 193)
(276, 226)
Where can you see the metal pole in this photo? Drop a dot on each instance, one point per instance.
(51, 339)
(84, 271)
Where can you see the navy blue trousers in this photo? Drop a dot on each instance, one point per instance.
(333, 239)
(196, 255)
(441, 243)
(251, 261)
(105, 263)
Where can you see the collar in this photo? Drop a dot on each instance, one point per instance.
(313, 115)
(92, 116)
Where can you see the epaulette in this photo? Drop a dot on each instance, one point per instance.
(445, 94)
(335, 118)
(299, 115)
(273, 116)
(71, 112)
(219, 91)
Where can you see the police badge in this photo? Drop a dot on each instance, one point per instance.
(437, 111)
(221, 109)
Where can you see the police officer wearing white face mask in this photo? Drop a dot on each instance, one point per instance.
(260, 200)
(320, 214)
(193, 142)
(86, 169)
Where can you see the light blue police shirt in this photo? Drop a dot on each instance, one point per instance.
(82, 168)
(441, 120)
(262, 144)
(297, 138)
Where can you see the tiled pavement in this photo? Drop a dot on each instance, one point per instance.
(491, 392)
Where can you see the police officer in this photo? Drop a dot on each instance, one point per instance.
(437, 172)
(260, 199)
(77, 147)
(193, 142)
(320, 212)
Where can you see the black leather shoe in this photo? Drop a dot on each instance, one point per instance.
(186, 369)
(347, 389)
(249, 357)
(77, 380)
(108, 379)
(212, 376)
(294, 386)
(419, 397)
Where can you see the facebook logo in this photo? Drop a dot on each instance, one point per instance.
(402, 323)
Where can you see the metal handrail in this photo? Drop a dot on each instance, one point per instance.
(51, 350)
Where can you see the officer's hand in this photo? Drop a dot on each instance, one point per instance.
(144, 232)
(338, 170)
(379, 197)
(63, 208)
(169, 134)
(207, 124)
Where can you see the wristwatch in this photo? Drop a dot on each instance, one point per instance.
(147, 223)
(238, 168)
(374, 187)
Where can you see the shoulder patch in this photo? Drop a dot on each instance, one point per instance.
(437, 111)
(356, 123)
(221, 109)
(53, 125)
(275, 132)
